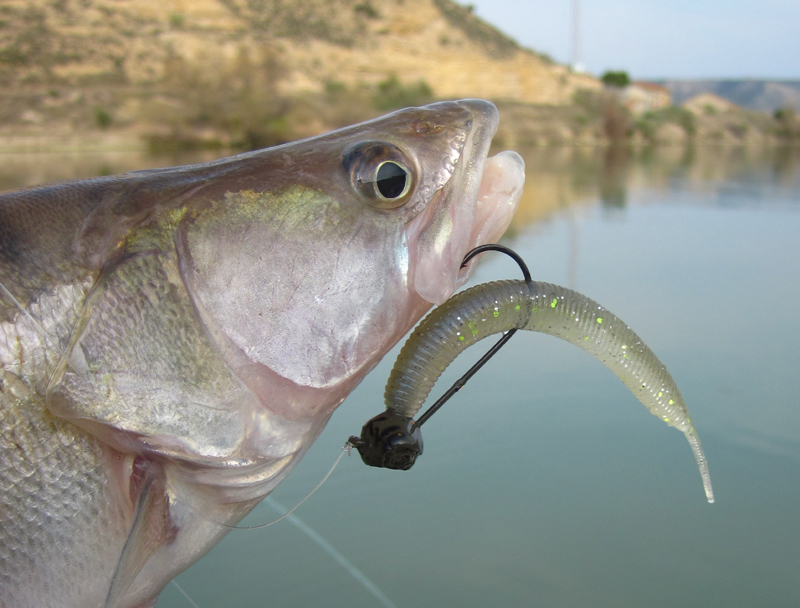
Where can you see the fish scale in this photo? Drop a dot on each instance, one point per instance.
(53, 474)
(139, 317)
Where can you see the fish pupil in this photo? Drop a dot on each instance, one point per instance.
(391, 180)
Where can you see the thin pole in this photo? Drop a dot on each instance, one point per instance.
(576, 51)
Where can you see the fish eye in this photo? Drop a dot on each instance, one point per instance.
(380, 172)
(391, 180)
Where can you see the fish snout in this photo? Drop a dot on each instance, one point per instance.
(484, 110)
(475, 208)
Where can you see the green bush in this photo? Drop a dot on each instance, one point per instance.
(366, 9)
(237, 102)
(616, 79)
(176, 21)
(649, 123)
(788, 125)
(682, 117)
(334, 88)
(393, 94)
(102, 117)
(785, 115)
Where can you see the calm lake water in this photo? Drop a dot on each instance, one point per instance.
(545, 482)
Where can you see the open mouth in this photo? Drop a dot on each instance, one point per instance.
(475, 208)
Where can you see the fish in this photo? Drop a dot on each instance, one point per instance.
(172, 341)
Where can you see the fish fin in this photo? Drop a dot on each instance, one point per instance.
(150, 530)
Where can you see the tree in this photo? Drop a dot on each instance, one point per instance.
(616, 79)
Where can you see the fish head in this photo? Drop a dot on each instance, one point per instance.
(313, 259)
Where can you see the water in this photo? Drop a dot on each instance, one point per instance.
(545, 482)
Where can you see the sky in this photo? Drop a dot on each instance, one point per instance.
(666, 39)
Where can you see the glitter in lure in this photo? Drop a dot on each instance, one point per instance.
(550, 309)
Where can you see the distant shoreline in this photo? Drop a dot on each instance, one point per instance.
(597, 121)
(597, 118)
(759, 94)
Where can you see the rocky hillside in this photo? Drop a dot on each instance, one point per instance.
(761, 95)
(187, 74)
(167, 68)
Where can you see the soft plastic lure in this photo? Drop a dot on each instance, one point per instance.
(506, 306)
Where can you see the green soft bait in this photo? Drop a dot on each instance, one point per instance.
(505, 306)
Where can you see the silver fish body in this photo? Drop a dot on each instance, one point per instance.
(172, 341)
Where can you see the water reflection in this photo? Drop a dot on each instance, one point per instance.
(573, 177)
(613, 182)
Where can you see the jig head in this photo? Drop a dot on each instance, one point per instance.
(394, 441)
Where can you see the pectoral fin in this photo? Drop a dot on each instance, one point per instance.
(151, 528)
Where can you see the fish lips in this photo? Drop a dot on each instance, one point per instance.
(475, 207)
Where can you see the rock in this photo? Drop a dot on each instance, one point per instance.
(670, 133)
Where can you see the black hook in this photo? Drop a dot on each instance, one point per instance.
(459, 384)
(393, 441)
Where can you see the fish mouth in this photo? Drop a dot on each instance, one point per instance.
(474, 208)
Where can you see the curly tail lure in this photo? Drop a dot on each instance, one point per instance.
(393, 438)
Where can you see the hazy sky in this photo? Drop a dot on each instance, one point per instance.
(665, 39)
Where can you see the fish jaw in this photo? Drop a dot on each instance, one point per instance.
(498, 196)
(476, 208)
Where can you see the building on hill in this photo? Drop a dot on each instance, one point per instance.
(641, 97)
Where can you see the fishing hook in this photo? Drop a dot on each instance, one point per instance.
(394, 441)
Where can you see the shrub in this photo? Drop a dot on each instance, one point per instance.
(366, 9)
(102, 117)
(619, 79)
(616, 121)
(393, 94)
(785, 115)
(176, 21)
(788, 125)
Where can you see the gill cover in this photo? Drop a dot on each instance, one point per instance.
(306, 270)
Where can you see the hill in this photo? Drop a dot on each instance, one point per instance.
(224, 69)
(180, 74)
(759, 95)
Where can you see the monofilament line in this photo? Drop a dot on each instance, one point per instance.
(330, 550)
(197, 512)
(290, 511)
(186, 595)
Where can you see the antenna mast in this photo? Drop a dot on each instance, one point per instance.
(576, 56)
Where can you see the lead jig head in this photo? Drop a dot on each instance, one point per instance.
(393, 441)
(389, 440)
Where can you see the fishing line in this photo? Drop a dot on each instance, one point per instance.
(186, 595)
(295, 521)
(176, 496)
(315, 536)
(290, 511)
(330, 550)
